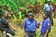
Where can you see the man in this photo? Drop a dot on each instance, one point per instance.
(30, 26)
(48, 10)
(45, 26)
(4, 26)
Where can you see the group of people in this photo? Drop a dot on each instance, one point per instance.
(30, 24)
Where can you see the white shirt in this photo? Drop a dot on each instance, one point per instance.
(48, 7)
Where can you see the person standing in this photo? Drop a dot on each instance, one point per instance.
(30, 26)
(46, 27)
(48, 10)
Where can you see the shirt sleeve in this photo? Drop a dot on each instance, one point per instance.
(51, 7)
(49, 24)
(36, 24)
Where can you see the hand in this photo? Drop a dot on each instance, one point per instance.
(45, 35)
(14, 29)
(38, 25)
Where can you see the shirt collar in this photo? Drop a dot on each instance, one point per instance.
(30, 19)
(45, 18)
(47, 3)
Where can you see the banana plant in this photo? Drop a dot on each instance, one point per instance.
(52, 1)
(15, 4)
(12, 4)
(55, 1)
(2, 2)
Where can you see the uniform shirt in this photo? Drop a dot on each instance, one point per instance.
(30, 25)
(48, 8)
(45, 25)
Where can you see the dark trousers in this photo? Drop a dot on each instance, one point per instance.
(49, 15)
(7, 31)
(30, 34)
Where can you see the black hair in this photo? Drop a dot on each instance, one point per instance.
(45, 14)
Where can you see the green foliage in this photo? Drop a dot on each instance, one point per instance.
(16, 4)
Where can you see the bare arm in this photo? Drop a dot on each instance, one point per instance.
(12, 27)
(46, 33)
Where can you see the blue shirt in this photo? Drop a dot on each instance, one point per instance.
(30, 25)
(45, 25)
(48, 8)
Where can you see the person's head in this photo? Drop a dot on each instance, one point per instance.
(31, 15)
(49, 2)
(5, 7)
(44, 16)
(5, 14)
